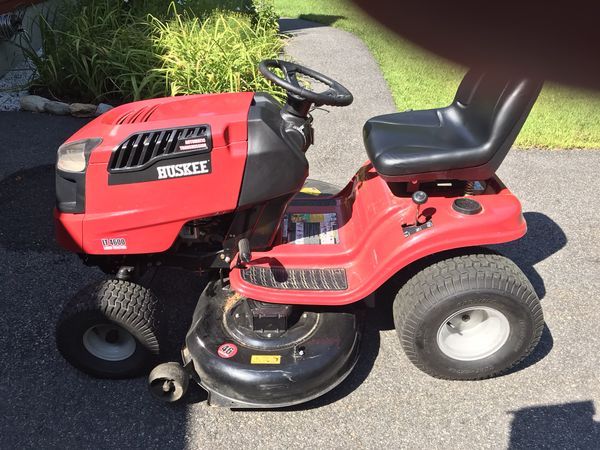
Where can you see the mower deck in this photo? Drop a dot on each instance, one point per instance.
(261, 360)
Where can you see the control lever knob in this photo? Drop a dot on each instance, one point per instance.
(419, 198)
(244, 250)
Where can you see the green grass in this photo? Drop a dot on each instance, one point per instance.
(562, 117)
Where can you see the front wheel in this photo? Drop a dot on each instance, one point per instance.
(468, 317)
(110, 330)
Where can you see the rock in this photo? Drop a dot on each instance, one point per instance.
(102, 108)
(57, 108)
(33, 103)
(83, 110)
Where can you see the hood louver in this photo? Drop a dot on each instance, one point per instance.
(143, 149)
(136, 116)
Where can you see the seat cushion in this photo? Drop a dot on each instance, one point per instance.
(418, 142)
(466, 140)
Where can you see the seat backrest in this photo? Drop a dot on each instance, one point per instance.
(494, 107)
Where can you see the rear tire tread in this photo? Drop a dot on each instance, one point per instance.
(459, 274)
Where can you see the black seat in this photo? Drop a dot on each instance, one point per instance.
(464, 141)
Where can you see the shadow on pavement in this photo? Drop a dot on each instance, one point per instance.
(542, 350)
(178, 291)
(544, 238)
(307, 21)
(322, 19)
(569, 425)
(26, 201)
(46, 403)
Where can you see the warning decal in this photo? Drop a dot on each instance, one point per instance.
(310, 191)
(265, 359)
(307, 229)
(227, 350)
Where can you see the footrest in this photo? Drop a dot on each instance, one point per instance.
(296, 279)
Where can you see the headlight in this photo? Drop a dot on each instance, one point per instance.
(74, 156)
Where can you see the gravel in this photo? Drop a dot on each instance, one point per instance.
(13, 86)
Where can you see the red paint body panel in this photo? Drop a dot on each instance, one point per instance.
(372, 246)
(69, 230)
(149, 215)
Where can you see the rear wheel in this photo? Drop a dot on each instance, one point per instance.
(468, 317)
(110, 330)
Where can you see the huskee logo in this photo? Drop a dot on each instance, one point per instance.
(184, 169)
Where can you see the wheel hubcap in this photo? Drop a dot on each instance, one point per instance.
(473, 333)
(109, 342)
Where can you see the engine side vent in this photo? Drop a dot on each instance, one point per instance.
(140, 150)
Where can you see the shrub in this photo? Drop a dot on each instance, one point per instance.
(218, 54)
(117, 51)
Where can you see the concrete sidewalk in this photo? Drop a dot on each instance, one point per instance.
(548, 402)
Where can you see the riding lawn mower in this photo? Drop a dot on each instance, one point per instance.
(217, 184)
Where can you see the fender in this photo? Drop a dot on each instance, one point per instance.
(372, 247)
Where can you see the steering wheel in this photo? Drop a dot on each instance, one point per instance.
(335, 95)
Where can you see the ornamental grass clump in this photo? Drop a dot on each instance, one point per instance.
(117, 51)
(218, 54)
(100, 51)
